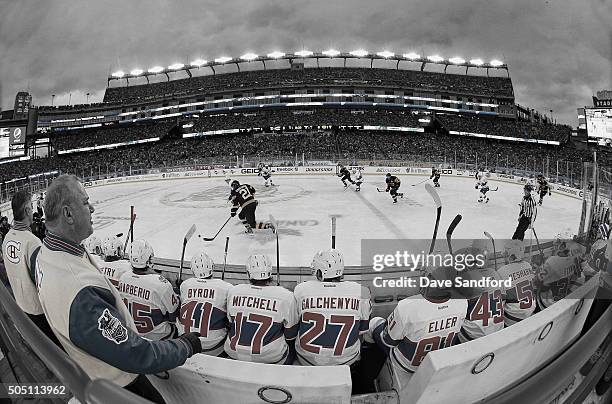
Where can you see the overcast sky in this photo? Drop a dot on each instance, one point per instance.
(559, 51)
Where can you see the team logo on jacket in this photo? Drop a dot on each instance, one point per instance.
(111, 328)
(13, 248)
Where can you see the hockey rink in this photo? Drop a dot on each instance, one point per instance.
(303, 205)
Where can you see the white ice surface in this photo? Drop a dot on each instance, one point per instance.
(166, 209)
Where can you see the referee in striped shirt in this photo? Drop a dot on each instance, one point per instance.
(527, 215)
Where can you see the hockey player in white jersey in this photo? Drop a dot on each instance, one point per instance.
(561, 273)
(93, 244)
(520, 297)
(112, 248)
(263, 317)
(204, 305)
(358, 179)
(483, 186)
(333, 314)
(112, 266)
(266, 173)
(420, 324)
(149, 297)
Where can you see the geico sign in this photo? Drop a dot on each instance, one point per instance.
(249, 171)
(321, 169)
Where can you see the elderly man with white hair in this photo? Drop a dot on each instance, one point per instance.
(83, 308)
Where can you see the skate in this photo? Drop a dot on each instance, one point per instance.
(401, 196)
(248, 230)
(270, 226)
(394, 200)
(357, 189)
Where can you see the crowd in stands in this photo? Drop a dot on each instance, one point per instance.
(283, 78)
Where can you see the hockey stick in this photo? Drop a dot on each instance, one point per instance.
(275, 224)
(188, 235)
(224, 258)
(450, 231)
(419, 183)
(438, 203)
(215, 236)
(494, 252)
(333, 232)
(494, 190)
(537, 242)
(131, 229)
(379, 190)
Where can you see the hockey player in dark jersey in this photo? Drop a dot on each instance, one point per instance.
(345, 175)
(435, 174)
(243, 196)
(393, 184)
(543, 188)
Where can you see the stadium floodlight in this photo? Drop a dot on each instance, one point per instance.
(435, 58)
(249, 56)
(198, 62)
(496, 63)
(136, 72)
(304, 53)
(176, 66)
(359, 53)
(276, 55)
(411, 56)
(386, 54)
(476, 62)
(118, 74)
(332, 53)
(156, 69)
(457, 60)
(223, 59)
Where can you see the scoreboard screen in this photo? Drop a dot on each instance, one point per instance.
(599, 122)
(12, 141)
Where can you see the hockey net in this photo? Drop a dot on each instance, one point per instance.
(596, 200)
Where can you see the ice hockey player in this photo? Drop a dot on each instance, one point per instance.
(596, 260)
(542, 188)
(112, 266)
(419, 324)
(204, 305)
(243, 196)
(435, 174)
(483, 186)
(393, 184)
(263, 317)
(266, 173)
(485, 311)
(94, 245)
(561, 273)
(323, 340)
(112, 248)
(358, 180)
(344, 175)
(520, 298)
(149, 296)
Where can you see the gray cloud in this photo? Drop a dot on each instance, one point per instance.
(559, 52)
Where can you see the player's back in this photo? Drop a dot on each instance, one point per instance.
(423, 325)
(204, 310)
(596, 260)
(261, 319)
(485, 311)
(520, 297)
(332, 316)
(243, 194)
(152, 302)
(558, 278)
(113, 270)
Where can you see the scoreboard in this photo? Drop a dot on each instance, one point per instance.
(12, 141)
(599, 123)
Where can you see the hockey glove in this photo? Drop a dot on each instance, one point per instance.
(234, 211)
(193, 340)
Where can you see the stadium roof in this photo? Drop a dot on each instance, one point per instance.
(308, 54)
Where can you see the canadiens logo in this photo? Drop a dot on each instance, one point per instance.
(111, 328)
(12, 250)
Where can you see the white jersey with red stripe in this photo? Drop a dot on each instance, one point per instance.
(204, 310)
(332, 316)
(485, 311)
(559, 276)
(152, 302)
(520, 300)
(262, 320)
(113, 270)
(419, 325)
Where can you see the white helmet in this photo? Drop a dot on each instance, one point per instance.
(514, 251)
(141, 254)
(93, 245)
(328, 264)
(202, 265)
(112, 247)
(259, 267)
